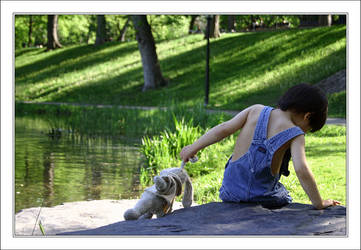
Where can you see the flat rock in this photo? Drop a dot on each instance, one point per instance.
(218, 218)
(73, 216)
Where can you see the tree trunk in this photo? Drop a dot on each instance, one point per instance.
(30, 30)
(123, 31)
(53, 41)
(329, 20)
(100, 35)
(153, 77)
(191, 24)
(215, 27)
(325, 20)
(231, 23)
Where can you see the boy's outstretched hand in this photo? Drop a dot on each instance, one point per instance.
(187, 153)
(329, 203)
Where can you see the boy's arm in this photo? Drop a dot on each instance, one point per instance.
(305, 176)
(216, 134)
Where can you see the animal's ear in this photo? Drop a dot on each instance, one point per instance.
(178, 183)
(161, 183)
(166, 179)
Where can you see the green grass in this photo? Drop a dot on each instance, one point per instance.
(245, 68)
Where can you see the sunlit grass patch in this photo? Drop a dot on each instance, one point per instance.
(245, 68)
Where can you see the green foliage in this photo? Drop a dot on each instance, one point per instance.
(243, 22)
(39, 34)
(161, 151)
(165, 27)
(75, 29)
(41, 228)
(114, 25)
(81, 29)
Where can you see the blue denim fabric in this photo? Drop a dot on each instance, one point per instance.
(249, 178)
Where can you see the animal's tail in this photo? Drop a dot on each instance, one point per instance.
(193, 160)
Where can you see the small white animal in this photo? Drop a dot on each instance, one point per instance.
(158, 199)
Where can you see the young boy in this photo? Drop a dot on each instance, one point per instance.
(267, 139)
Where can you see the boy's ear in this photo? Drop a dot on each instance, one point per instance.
(307, 116)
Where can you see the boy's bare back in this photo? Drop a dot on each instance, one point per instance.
(278, 122)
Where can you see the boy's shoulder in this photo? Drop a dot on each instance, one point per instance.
(253, 112)
(257, 106)
(255, 109)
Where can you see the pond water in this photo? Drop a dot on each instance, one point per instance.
(50, 171)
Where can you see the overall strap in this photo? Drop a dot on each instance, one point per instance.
(281, 138)
(260, 132)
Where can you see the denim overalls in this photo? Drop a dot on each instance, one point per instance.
(249, 179)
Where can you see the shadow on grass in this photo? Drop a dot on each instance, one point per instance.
(233, 58)
(34, 51)
(70, 61)
(322, 152)
(270, 92)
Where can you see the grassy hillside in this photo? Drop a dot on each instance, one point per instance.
(246, 68)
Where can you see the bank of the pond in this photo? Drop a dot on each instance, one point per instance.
(73, 216)
(330, 120)
(90, 120)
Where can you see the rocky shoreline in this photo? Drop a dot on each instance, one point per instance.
(105, 217)
(72, 216)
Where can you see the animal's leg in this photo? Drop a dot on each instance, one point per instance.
(140, 208)
(188, 193)
(131, 214)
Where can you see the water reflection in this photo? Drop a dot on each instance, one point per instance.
(51, 171)
(48, 177)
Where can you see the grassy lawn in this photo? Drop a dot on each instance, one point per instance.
(245, 68)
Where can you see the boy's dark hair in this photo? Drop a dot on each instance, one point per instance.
(303, 98)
